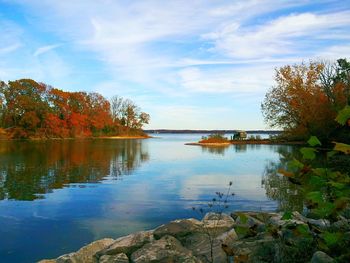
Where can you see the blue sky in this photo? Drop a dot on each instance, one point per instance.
(190, 64)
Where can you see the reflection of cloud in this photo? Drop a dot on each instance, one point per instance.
(102, 227)
(247, 186)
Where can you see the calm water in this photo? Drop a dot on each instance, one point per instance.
(60, 195)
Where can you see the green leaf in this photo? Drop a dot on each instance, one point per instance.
(331, 238)
(303, 229)
(317, 181)
(241, 230)
(308, 153)
(316, 197)
(243, 218)
(342, 147)
(287, 215)
(313, 141)
(343, 115)
(325, 209)
(331, 154)
(320, 171)
(295, 164)
(337, 185)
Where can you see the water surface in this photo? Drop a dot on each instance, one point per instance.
(57, 196)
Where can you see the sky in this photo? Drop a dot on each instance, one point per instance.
(189, 64)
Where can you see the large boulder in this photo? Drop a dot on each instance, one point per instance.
(227, 239)
(83, 255)
(119, 258)
(321, 257)
(178, 228)
(127, 244)
(245, 250)
(216, 224)
(206, 248)
(167, 249)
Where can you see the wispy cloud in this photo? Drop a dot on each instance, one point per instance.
(282, 36)
(9, 49)
(44, 49)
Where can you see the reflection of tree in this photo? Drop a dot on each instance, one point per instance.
(28, 169)
(240, 147)
(215, 149)
(288, 195)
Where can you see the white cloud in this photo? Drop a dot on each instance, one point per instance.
(236, 80)
(9, 49)
(279, 37)
(44, 49)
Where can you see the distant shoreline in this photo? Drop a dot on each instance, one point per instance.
(212, 131)
(80, 138)
(245, 142)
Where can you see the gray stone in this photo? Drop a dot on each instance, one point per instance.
(228, 237)
(85, 254)
(203, 246)
(179, 228)
(119, 258)
(217, 224)
(321, 257)
(322, 224)
(127, 244)
(245, 250)
(341, 225)
(167, 249)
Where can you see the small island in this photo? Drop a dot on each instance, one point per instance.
(240, 138)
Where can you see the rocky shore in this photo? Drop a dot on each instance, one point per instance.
(238, 237)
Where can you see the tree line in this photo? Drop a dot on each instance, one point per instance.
(307, 98)
(29, 109)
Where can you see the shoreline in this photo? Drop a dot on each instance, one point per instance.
(217, 237)
(246, 142)
(78, 138)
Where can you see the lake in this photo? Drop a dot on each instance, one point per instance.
(57, 196)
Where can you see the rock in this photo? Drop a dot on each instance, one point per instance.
(244, 219)
(119, 258)
(166, 249)
(201, 245)
(178, 228)
(246, 250)
(85, 254)
(217, 224)
(321, 257)
(228, 237)
(322, 224)
(127, 244)
(341, 225)
(279, 222)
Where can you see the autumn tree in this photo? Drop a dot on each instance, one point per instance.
(29, 108)
(306, 97)
(25, 106)
(98, 112)
(297, 102)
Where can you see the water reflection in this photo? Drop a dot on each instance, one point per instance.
(220, 150)
(30, 169)
(289, 196)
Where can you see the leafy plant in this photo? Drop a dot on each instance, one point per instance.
(217, 205)
(326, 190)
